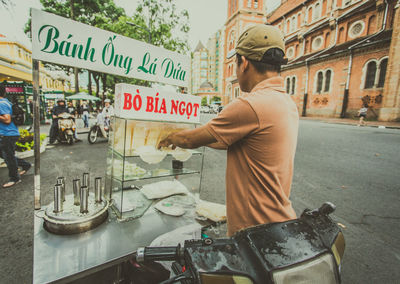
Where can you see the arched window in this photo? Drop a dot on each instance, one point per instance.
(317, 12)
(231, 40)
(248, 3)
(371, 25)
(382, 72)
(293, 85)
(320, 80)
(287, 26)
(288, 85)
(309, 15)
(327, 39)
(298, 20)
(255, 4)
(293, 24)
(328, 75)
(370, 77)
(341, 35)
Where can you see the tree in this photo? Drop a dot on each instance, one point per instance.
(91, 12)
(163, 21)
(168, 28)
(204, 101)
(216, 99)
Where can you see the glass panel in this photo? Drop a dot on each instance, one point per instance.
(134, 160)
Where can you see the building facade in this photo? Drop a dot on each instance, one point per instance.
(338, 53)
(16, 65)
(207, 66)
(342, 54)
(241, 15)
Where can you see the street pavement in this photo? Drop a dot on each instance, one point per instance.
(356, 168)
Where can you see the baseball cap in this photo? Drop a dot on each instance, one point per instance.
(107, 100)
(256, 40)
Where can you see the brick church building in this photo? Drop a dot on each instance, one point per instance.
(342, 53)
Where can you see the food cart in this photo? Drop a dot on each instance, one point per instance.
(94, 226)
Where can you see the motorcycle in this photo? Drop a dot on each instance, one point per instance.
(305, 250)
(96, 132)
(66, 128)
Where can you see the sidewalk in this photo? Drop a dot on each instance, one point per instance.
(349, 121)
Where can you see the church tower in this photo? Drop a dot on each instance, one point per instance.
(241, 14)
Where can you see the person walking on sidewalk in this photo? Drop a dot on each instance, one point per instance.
(9, 135)
(362, 113)
(85, 115)
(259, 130)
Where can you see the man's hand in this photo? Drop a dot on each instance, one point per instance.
(188, 139)
(166, 142)
(5, 118)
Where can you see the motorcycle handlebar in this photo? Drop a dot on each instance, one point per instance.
(158, 253)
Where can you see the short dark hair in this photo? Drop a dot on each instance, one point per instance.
(271, 61)
(2, 90)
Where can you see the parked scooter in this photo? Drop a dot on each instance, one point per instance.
(95, 132)
(305, 250)
(66, 128)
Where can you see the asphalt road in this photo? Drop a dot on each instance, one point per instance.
(355, 168)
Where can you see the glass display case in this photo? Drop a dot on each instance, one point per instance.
(138, 174)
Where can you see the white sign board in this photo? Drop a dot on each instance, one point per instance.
(53, 96)
(142, 103)
(63, 41)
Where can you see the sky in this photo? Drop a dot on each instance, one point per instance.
(205, 17)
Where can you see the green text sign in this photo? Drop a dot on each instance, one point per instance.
(63, 41)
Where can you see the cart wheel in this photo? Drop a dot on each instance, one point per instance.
(92, 136)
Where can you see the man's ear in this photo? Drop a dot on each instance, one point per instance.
(245, 64)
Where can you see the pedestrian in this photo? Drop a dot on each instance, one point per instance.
(101, 121)
(107, 112)
(259, 129)
(78, 110)
(9, 135)
(362, 114)
(85, 115)
(58, 109)
(72, 111)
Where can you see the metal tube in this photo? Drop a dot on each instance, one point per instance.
(36, 128)
(84, 199)
(77, 191)
(61, 180)
(86, 179)
(58, 203)
(97, 189)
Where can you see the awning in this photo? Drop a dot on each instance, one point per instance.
(83, 96)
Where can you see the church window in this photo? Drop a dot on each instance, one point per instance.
(328, 75)
(356, 29)
(382, 72)
(320, 79)
(293, 85)
(370, 76)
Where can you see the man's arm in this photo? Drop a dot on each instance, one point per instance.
(218, 146)
(188, 139)
(5, 118)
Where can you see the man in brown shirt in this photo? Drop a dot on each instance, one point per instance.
(259, 130)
